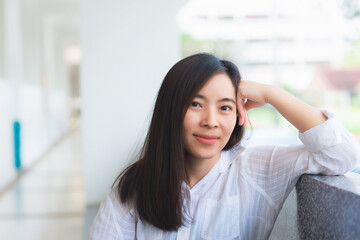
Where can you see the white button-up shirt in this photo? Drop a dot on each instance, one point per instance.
(241, 196)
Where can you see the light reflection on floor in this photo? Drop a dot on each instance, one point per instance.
(48, 201)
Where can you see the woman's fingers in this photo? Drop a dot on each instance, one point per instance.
(253, 92)
(252, 104)
(250, 95)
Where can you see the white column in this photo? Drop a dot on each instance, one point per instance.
(13, 60)
(48, 59)
(32, 41)
(128, 46)
(2, 11)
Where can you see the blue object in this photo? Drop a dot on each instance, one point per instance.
(17, 142)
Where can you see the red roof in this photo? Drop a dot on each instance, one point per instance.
(341, 79)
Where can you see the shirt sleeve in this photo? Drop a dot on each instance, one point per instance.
(114, 220)
(327, 148)
(331, 149)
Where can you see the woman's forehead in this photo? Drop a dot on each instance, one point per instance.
(219, 85)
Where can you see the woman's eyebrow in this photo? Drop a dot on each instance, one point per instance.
(227, 100)
(221, 100)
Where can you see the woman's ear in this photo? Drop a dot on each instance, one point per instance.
(241, 114)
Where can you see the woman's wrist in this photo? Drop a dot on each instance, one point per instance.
(270, 92)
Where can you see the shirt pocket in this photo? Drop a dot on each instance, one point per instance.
(221, 219)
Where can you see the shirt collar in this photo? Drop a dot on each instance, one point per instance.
(225, 160)
(227, 157)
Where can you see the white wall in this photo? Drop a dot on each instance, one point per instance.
(7, 169)
(1, 39)
(128, 46)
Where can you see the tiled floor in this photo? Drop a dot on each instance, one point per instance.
(48, 201)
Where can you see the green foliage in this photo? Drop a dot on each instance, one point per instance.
(191, 45)
(351, 119)
(290, 89)
(351, 9)
(219, 47)
(268, 117)
(352, 56)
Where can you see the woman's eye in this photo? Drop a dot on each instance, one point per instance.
(195, 104)
(225, 108)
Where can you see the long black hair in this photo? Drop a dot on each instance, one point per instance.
(153, 183)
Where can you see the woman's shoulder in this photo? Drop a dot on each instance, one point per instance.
(264, 157)
(246, 149)
(116, 207)
(243, 157)
(113, 219)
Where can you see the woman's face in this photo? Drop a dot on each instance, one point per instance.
(210, 119)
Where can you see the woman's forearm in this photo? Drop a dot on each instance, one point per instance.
(298, 113)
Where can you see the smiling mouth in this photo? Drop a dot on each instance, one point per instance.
(209, 140)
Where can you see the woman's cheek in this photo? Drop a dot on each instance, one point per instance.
(230, 123)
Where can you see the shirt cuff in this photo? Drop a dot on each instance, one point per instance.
(324, 135)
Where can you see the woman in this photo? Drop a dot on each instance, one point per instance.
(194, 179)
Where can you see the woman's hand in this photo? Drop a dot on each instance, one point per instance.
(250, 95)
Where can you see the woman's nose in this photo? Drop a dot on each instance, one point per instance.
(210, 119)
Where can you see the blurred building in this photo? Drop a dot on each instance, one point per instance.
(278, 42)
(334, 87)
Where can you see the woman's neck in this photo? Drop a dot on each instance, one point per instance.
(197, 168)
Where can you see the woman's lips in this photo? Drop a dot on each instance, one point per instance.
(206, 139)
